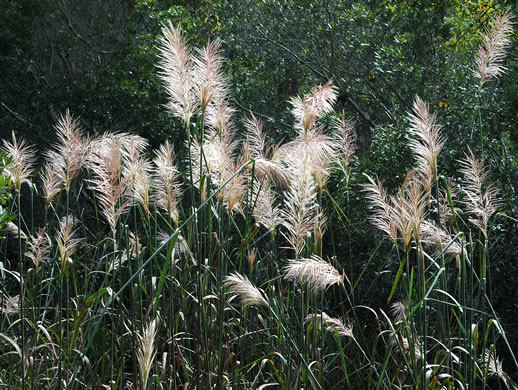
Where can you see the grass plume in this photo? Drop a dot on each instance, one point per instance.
(249, 294)
(491, 52)
(146, 352)
(317, 273)
(22, 158)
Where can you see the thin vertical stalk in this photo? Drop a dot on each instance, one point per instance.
(479, 114)
(22, 291)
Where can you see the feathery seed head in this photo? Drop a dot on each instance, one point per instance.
(15, 231)
(177, 74)
(251, 257)
(491, 53)
(132, 146)
(399, 311)
(272, 170)
(22, 158)
(335, 325)
(106, 157)
(219, 114)
(165, 183)
(9, 305)
(255, 136)
(133, 251)
(482, 199)
(311, 107)
(52, 180)
(248, 293)
(406, 349)
(266, 166)
(434, 235)
(265, 211)
(411, 206)
(317, 273)
(146, 352)
(299, 215)
(346, 138)
(494, 367)
(402, 214)
(39, 247)
(425, 138)
(384, 216)
(66, 239)
(313, 150)
(219, 165)
(138, 175)
(318, 232)
(208, 75)
(106, 163)
(70, 153)
(445, 209)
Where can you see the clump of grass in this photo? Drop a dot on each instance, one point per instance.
(170, 239)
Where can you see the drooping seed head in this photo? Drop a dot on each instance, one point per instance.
(439, 238)
(242, 287)
(335, 325)
(317, 273)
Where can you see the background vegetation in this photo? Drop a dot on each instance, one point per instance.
(81, 323)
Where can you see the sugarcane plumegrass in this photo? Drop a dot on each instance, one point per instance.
(332, 324)
(146, 352)
(317, 273)
(249, 294)
(495, 41)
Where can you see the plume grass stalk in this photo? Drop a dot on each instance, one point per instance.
(19, 170)
(172, 238)
(231, 218)
(489, 59)
(22, 287)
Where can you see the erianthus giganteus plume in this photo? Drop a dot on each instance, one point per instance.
(242, 287)
(176, 71)
(491, 52)
(317, 273)
(146, 352)
(22, 158)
